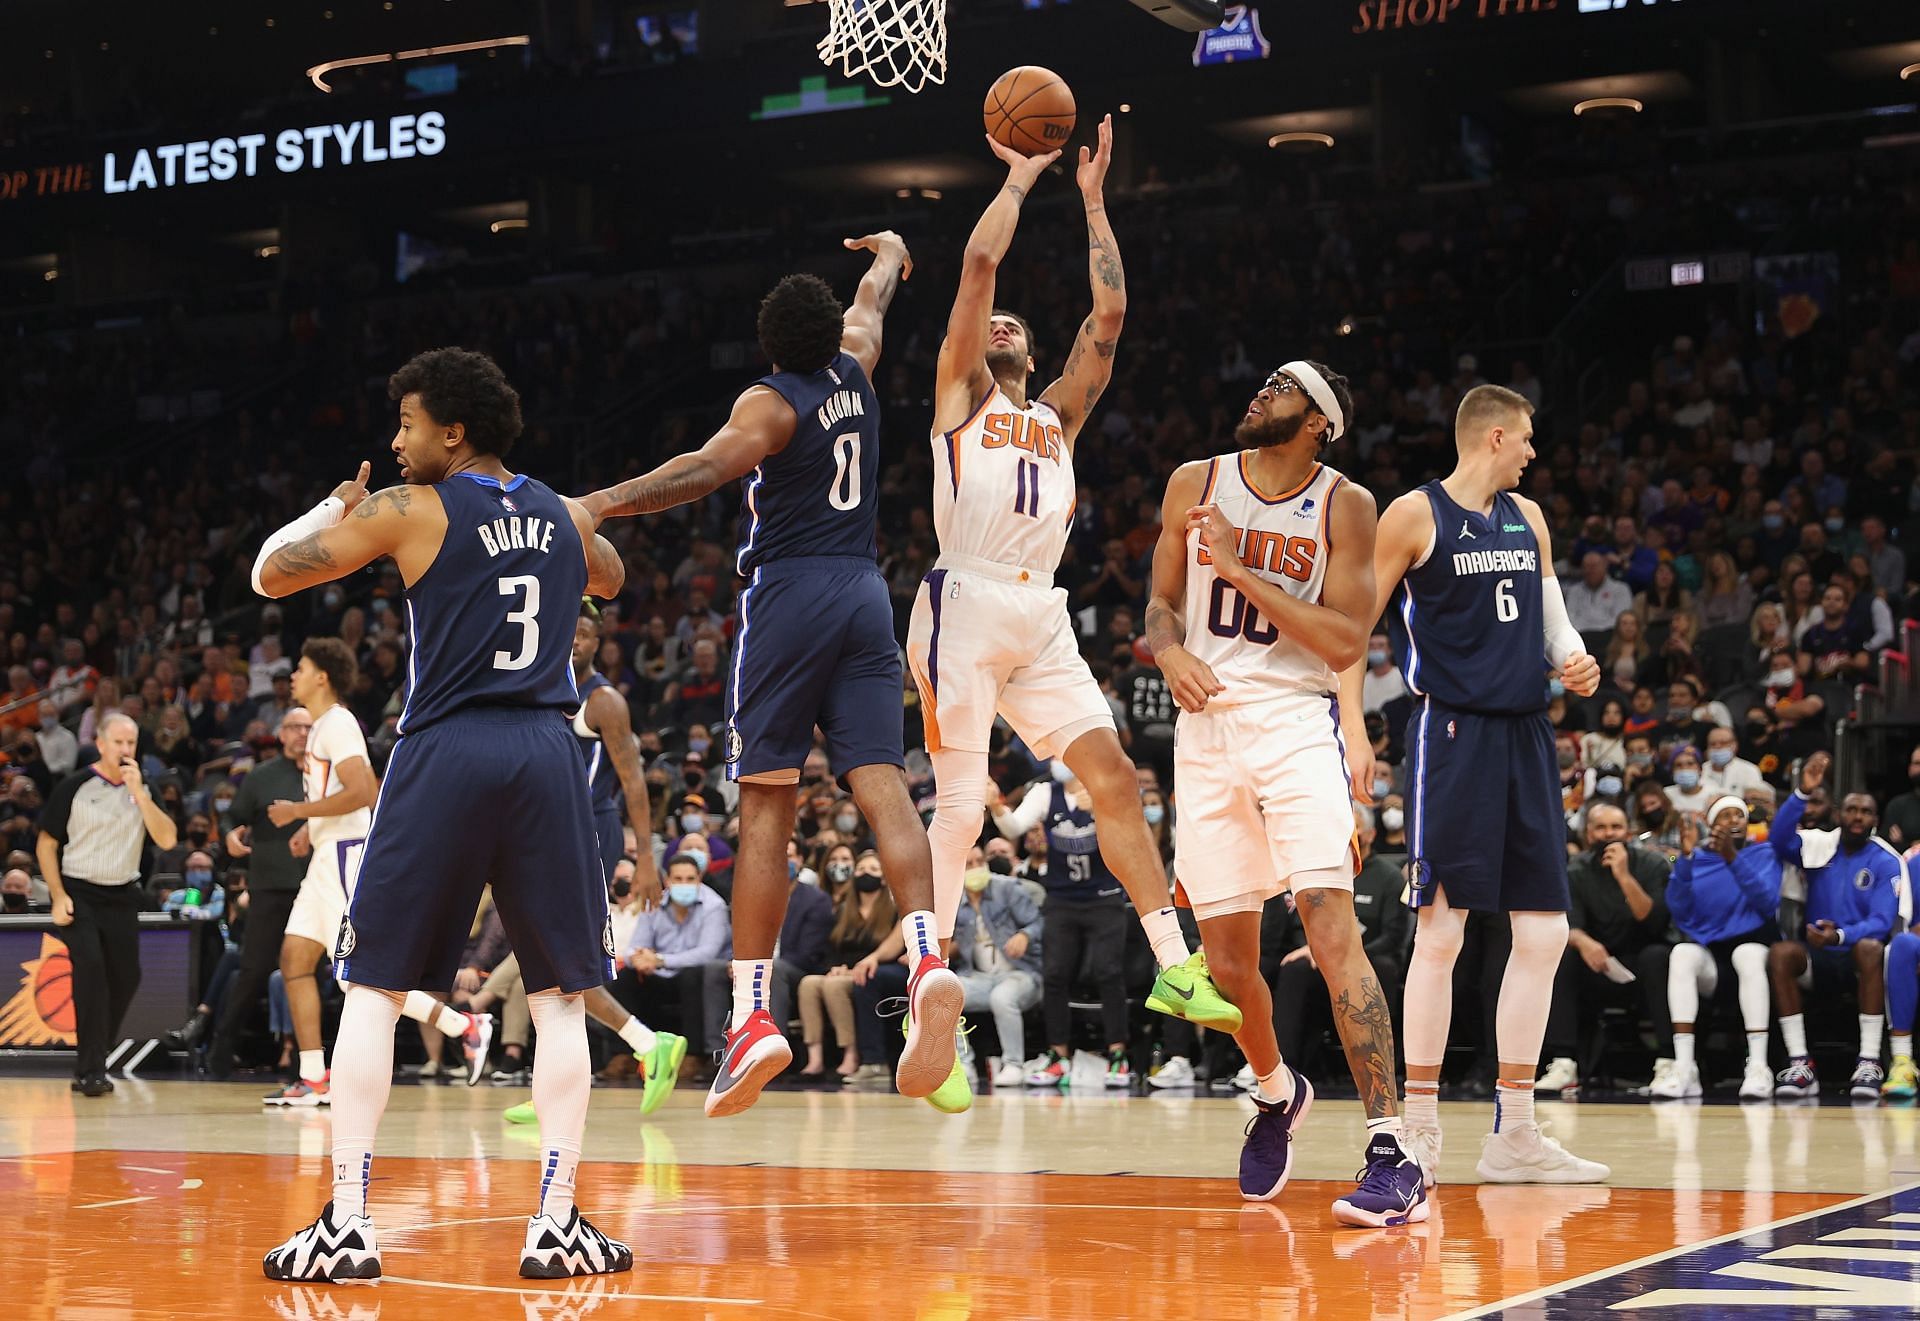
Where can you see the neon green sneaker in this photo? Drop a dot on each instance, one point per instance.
(520, 1114)
(662, 1068)
(955, 1095)
(1186, 990)
(1903, 1080)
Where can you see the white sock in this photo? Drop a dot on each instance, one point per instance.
(562, 1079)
(1169, 942)
(751, 978)
(1683, 1049)
(637, 1035)
(451, 1021)
(419, 1006)
(358, 1091)
(1756, 1048)
(1902, 1044)
(918, 928)
(1512, 1105)
(1422, 1105)
(313, 1065)
(1276, 1088)
(1793, 1031)
(1391, 1125)
(1871, 1025)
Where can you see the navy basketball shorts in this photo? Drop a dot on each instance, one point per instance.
(814, 647)
(1830, 972)
(1484, 821)
(488, 795)
(609, 830)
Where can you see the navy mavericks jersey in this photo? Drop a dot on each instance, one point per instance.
(602, 782)
(492, 617)
(1466, 621)
(1075, 869)
(818, 496)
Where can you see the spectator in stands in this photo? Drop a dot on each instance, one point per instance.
(59, 749)
(1687, 794)
(1725, 598)
(1797, 602)
(700, 620)
(801, 951)
(1722, 899)
(864, 914)
(1619, 914)
(1900, 823)
(697, 695)
(16, 893)
(1687, 721)
(1833, 647)
(1605, 742)
(1854, 883)
(74, 681)
(1655, 824)
(1888, 563)
(996, 951)
(1382, 682)
(486, 949)
(1596, 600)
(1794, 716)
(1629, 643)
(691, 929)
(1726, 771)
(1677, 654)
(1633, 562)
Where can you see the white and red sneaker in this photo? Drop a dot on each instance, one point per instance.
(475, 1043)
(935, 997)
(757, 1052)
(300, 1092)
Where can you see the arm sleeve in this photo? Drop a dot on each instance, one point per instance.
(59, 807)
(1563, 640)
(1032, 810)
(1784, 834)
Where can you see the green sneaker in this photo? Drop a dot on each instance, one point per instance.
(1187, 991)
(662, 1068)
(955, 1095)
(520, 1114)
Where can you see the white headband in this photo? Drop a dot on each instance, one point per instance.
(1723, 803)
(1320, 392)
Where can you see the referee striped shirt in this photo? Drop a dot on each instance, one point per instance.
(98, 826)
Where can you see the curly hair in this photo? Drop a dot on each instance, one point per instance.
(464, 386)
(800, 324)
(333, 658)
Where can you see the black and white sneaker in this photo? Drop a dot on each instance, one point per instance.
(327, 1251)
(555, 1251)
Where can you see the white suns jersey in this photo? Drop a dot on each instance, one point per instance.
(1283, 540)
(1003, 487)
(335, 738)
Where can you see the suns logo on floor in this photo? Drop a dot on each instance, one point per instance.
(41, 1011)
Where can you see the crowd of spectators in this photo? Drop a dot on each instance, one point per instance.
(1732, 524)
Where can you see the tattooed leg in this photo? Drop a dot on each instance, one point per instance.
(1359, 1005)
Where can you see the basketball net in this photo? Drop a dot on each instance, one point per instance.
(897, 43)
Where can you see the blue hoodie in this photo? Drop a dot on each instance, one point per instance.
(1712, 900)
(1857, 891)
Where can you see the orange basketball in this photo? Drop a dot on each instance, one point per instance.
(1031, 110)
(53, 991)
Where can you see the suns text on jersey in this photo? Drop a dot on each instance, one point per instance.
(524, 533)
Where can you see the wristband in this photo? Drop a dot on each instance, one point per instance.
(323, 515)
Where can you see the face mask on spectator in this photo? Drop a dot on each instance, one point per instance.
(331, 600)
(1687, 779)
(199, 879)
(1835, 524)
(699, 745)
(1640, 760)
(692, 821)
(846, 823)
(839, 872)
(622, 888)
(48, 722)
(1000, 865)
(1382, 786)
(14, 903)
(1392, 819)
(221, 805)
(866, 882)
(978, 880)
(1556, 689)
(793, 870)
(1566, 759)
(1376, 658)
(1609, 785)
(684, 893)
(1720, 757)
(1771, 522)
(1781, 678)
(1155, 813)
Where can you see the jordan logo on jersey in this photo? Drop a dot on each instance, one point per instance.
(1466, 532)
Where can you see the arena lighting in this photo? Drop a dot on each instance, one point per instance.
(512, 222)
(269, 250)
(1300, 140)
(319, 71)
(1911, 71)
(1608, 103)
(1125, 108)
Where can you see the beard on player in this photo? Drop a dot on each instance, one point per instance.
(1266, 430)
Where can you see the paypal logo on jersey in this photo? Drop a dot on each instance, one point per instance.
(1305, 510)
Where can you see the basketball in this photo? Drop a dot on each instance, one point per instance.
(1031, 110)
(53, 992)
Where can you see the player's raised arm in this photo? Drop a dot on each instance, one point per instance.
(1090, 362)
(1565, 649)
(761, 424)
(1336, 628)
(324, 543)
(1190, 679)
(962, 379)
(865, 320)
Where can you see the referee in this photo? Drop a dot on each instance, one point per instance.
(92, 833)
(277, 862)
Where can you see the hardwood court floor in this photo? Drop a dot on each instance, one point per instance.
(159, 1200)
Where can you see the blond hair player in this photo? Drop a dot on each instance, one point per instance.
(1262, 594)
(990, 631)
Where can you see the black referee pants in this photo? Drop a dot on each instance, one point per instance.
(267, 914)
(1091, 934)
(104, 944)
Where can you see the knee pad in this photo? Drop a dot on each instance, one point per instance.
(1751, 960)
(1539, 936)
(1441, 935)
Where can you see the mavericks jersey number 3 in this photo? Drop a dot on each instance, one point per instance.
(1467, 619)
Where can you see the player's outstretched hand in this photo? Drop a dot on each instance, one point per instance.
(1022, 169)
(1813, 773)
(885, 243)
(1581, 675)
(351, 493)
(1091, 173)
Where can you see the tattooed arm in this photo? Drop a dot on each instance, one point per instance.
(761, 425)
(1090, 364)
(863, 322)
(348, 530)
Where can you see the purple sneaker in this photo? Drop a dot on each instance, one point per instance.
(1266, 1159)
(1391, 1190)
